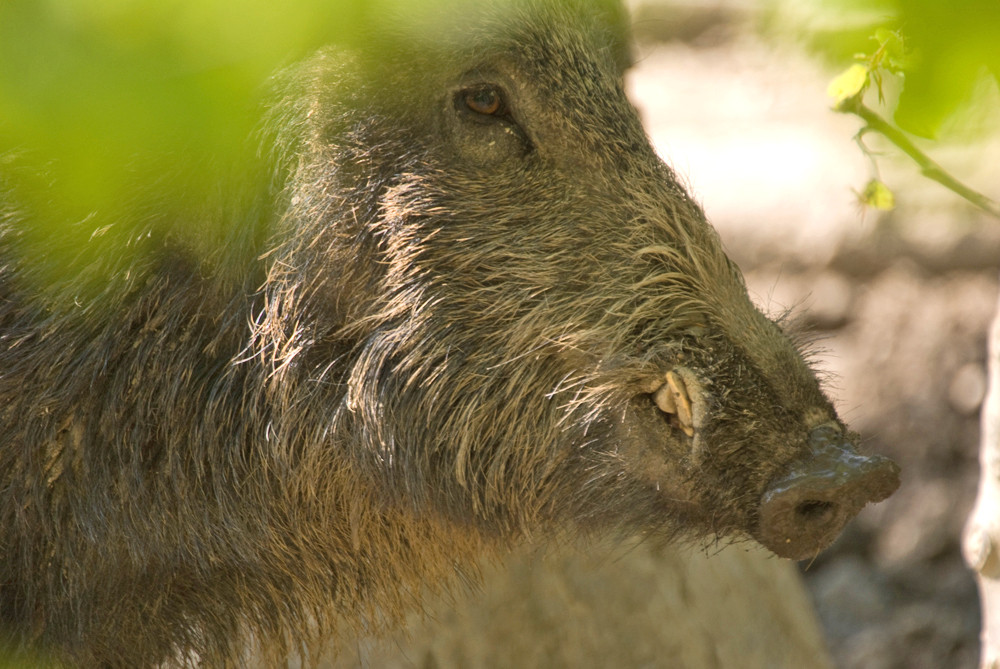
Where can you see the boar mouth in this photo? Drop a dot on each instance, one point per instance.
(805, 507)
(804, 510)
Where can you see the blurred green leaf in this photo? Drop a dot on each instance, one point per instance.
(891, 52)
(135, 123)
(954, 45)
(122, 117)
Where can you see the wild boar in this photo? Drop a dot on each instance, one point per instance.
(458, 300)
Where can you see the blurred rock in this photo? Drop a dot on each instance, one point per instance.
(968, 388)
(853, 597)
(749, 129)
(922, 530)
(938, 238)
(701, 22)
(631, 605)
(830, 302)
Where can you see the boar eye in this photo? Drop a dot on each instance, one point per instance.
(485, 100)
(488, 127)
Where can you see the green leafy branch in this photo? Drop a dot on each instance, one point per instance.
(848, 90)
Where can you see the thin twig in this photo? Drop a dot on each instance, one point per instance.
(928, 167)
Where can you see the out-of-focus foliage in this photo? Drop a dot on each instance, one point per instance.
(953, 44)
(943, 50)
(115, 109)
(122, 119)
(106, 95)
(97, 90)
(925, 59)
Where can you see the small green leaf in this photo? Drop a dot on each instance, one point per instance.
(890, 40)
(878, 196)
(883, 35)
(848, 83)
(892, 51)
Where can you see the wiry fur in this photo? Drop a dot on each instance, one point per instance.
(425, 337)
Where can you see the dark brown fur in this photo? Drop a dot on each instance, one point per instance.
(424, 336)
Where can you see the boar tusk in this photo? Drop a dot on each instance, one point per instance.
(672, 399)
(664, 399)
(682, 402)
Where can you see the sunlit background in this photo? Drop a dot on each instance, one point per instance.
(734, 94)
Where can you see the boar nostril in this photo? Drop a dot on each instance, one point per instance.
(816, 512)
(804, 510)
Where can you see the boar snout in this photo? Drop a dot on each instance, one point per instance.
(804, 510)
